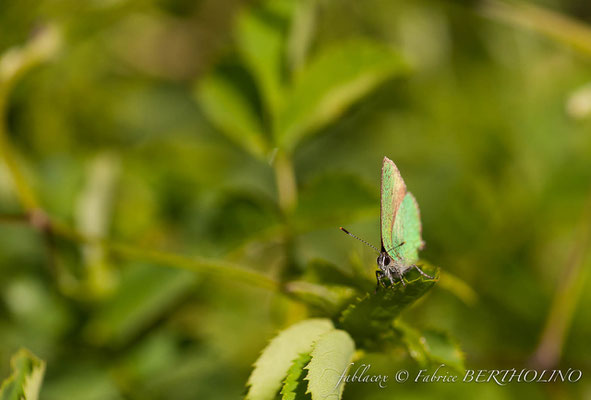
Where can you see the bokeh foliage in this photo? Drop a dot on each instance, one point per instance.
(195, 141)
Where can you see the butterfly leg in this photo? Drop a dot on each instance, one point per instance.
(421, 271)
(379, 276)
(401, 277)
(388, 273)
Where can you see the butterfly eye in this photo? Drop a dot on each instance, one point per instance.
(386, 260)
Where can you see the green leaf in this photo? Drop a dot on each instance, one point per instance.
(302, 30)
(26, 378)
(443, 349)
(431, 347)
(458, 287)
(327, 298)
(294, 386)
(144, 294)
(332, 199)
(330, 83)
(414, 342)
(331, 357)
(273, 364)
(261, 36)
(372, 316)
(230, 109)
(324, 272)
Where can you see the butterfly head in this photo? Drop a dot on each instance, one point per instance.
(384, 260)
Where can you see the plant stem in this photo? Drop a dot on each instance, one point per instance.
(218, 268)
(287, 197)
(286, 182)
(552, 24)
(567, 296)
(23, 190)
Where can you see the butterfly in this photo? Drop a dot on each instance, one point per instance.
(400, 226)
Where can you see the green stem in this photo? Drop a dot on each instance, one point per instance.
(552, 24)
(287, 197)
(567, 296)
(286, 183)
(217, 268)
(23, 190)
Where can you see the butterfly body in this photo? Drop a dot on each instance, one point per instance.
(394, 269)
(400, 225)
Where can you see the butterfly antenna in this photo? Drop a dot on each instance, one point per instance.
(395, 247)
(361, 240)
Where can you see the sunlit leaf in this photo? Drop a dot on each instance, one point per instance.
(272, 366)
(26, 378)
(331, 357)
(330, 83)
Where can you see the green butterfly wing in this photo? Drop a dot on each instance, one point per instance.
(407, 229)
(393, 192)
(400, 216)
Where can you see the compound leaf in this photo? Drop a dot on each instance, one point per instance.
(331, 357)
(273, 364)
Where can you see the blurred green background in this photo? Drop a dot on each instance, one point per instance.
(198, 137)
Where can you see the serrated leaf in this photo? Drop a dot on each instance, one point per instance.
(229, 108)
(26, 378)
(430, 347)
(274, 362)
(294, 386)
(261, 36)
(441, 348)
(373, 314)
(330, 83)
(414, 342)
(331, 358)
